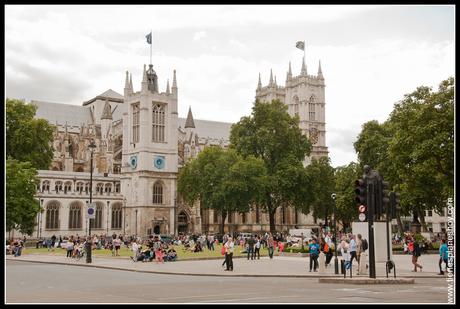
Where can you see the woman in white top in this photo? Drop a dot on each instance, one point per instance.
(344, 249)
(229, 245)
(135, 248)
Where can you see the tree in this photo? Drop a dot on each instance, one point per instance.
(422, 147)
(322, 186)
(27, 139)
(346, 208)
(272, 135)
(414, 149)
(223, 181)
(21, 206)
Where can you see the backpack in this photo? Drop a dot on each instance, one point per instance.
(326, 248)
(365, 245)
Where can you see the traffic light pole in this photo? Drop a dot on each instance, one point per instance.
(370, 219)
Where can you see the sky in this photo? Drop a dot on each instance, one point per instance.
(371, 56)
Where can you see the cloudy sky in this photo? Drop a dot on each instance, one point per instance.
(370, 55)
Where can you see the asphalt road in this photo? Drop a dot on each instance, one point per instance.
(46, 283)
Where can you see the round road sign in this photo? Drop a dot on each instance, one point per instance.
(362, 217)
(362, 208)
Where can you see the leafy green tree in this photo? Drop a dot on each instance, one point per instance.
(27, 139)
(346, 208)
(223, 181)
(21, 206)
(272, 135)
(414, 149)
(322, 186)
(422, 147)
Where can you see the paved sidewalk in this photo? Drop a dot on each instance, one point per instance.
(279, 266)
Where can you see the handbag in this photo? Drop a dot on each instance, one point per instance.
(222, 251)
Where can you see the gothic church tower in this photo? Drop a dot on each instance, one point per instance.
(305, 96)
(149, 163)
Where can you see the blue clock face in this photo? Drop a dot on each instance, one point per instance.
(133, 162)
(159, 162)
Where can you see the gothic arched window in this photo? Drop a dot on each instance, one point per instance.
(80, 187)
(158, 123)
(100, 188)
(311, 108)
(108, 188)
(117, 187)
(52, 216)
(158, 193)
(135, 108)
(296, 105)
(116, 216)
(46, 186)
(58, 186)
(96, 223)
(67, 187)
(75, 212)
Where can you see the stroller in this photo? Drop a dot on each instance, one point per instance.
(80, 252)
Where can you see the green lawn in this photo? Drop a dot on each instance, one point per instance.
(124, 252)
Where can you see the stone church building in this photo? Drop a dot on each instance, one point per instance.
(140, 146)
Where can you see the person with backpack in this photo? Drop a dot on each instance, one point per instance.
(416, 253)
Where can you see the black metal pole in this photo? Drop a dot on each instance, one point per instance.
(336, 262)
(387, 214)
(370, 219)
(89, 240)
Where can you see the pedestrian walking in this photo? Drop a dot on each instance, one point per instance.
(250, 247)
(69, 249)
(443, 255)
(416, 253)
(270, 246)
(353, 248)
(313, 249)
(257, 248)
(135, 249)
(229, 246)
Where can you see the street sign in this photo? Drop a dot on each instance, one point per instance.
(362, 217)
(91, 211)
(362, 208)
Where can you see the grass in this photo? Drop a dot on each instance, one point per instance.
(125, 252)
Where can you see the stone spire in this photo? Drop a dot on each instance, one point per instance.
(131, 83)
(259, 85)
(289, 73)
(270, 84)
(275, 82)
(304, 67)
(174, 84)
(107, 112)
(128, 86)
(167, 87)
(145, 82)
(320, 73)
(189, 123)
(127, 80)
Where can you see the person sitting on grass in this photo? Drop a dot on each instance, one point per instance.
(198, 247)
(171, 255)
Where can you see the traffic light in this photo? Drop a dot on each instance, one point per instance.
(394, 204)
(385, 196)
(360, 191)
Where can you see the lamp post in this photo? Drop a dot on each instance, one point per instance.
(336, 262)
(89, 241)
(136, 225)
(108, 206)
(124, 215)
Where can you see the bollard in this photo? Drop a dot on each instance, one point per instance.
(362, 264)
(322, 263)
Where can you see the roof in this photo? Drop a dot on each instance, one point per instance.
(189, 122)
(107, 95)
(62, 113)
(211, 129)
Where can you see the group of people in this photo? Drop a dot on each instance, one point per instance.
(15, 246)
(152, 248)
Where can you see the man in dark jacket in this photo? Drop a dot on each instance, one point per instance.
(251, 243)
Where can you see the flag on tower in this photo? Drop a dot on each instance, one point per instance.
(300, 45)
(149, 38)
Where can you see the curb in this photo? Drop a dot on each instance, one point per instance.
(367, 281)
(320, 277)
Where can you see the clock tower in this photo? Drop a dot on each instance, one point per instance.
(149, 160)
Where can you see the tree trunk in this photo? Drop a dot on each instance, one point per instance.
(421, 214)
(222, 224)
(400, 225)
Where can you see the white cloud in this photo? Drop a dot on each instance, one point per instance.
(72, 53)
(199, 35)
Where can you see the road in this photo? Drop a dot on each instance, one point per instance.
(46, 283)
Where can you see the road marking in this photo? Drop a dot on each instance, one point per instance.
(198, 296)
(251, 298)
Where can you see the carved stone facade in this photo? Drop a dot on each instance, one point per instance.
(140, 146)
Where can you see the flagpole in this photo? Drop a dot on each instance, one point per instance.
(151, 43)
